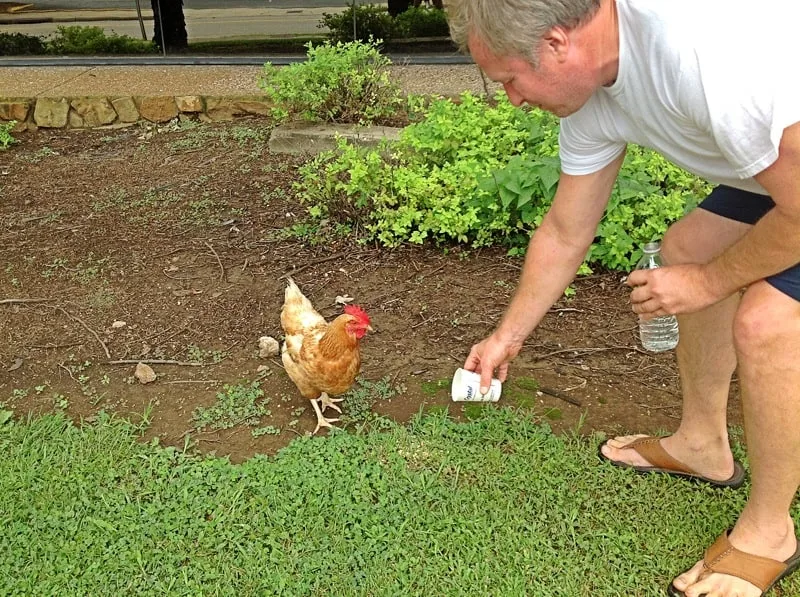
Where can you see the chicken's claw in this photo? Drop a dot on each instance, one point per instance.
(328, 402)
(322, 421)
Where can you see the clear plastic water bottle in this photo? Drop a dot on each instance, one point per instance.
(660, 333)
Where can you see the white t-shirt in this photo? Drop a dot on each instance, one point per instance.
(710, 84)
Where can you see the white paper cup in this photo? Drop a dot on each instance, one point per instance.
(467, 388)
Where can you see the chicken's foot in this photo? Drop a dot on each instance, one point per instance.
(328, 402)
(321, 421)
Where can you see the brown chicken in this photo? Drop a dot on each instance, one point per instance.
(321, 358)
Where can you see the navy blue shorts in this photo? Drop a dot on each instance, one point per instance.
(749, 208)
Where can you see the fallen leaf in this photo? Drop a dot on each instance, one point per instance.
(344, 299)
(17, 364)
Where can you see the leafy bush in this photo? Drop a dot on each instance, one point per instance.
(421, 22)
(372, 22)
(19, 44)
(342, 82)
(6, 139)
(92, 40)
(480, 173)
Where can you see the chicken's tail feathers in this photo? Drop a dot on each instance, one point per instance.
(293, 292)
(298, 313)
(291, 287)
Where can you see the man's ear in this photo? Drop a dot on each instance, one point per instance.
(557, 42)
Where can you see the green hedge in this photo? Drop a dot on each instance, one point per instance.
(374, 22)
(484, 173)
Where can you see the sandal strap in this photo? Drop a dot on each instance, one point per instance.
(724, 558)
(650, 449)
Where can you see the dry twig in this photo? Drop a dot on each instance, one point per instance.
(219, 261)
(88, 329)
(20, 301)
(153, 362)
(307, 264)
(560, 395)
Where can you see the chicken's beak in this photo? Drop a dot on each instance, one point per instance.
(369, 328)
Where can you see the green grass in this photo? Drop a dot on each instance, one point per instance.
(498, 506)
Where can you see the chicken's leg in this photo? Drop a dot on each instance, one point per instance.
(328, 402)
(321, 421)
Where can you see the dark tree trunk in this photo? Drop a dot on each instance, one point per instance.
(168, 15)
(398, 6)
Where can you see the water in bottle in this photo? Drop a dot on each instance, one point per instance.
(660, 333)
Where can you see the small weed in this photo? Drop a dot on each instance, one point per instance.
(147, 418)
(527, 383)
(201, 211)
(198, 355)
(360, 399)
(40, 154)
(474, 411)
(51, 268)
(60, 401)
(554, 414)
(84, 272)
(103, 298)
(236, 405)
(6, 138)
(267, 430)
(243, 134)
(19, 394)
(271, 194)
(146, 207)
(431, 388)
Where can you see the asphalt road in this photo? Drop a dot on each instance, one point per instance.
(199, 26)
(200, 4)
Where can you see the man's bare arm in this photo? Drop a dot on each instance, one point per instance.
(555, 252)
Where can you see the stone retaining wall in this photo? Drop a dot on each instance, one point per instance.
(112, 112)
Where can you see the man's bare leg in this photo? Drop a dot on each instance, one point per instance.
(706, 357)
(767, 337)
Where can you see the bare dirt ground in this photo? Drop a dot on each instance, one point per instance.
(182, 235)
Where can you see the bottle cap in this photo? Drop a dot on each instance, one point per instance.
(652, 247)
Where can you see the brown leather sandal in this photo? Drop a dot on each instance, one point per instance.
(661, 462)
(724, 558)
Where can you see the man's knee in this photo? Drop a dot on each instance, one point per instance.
(766, 320)
(678, 245)
(699, 237)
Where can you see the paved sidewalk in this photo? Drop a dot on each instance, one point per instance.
(70, 81)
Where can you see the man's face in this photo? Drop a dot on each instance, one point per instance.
(559, 85)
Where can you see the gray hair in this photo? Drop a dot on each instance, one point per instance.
(514, 27)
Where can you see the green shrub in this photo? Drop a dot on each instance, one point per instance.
(93, 40)
(372, 22)
(19, 44)
(6, 138)
(421, 22)
(342, 82)
(483, 174)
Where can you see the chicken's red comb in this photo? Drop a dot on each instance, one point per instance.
(357, 312)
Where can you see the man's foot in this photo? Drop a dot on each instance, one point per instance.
(739, 567)
(708, 463)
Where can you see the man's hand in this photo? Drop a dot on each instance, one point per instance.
(673, 290)
(490, 354)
